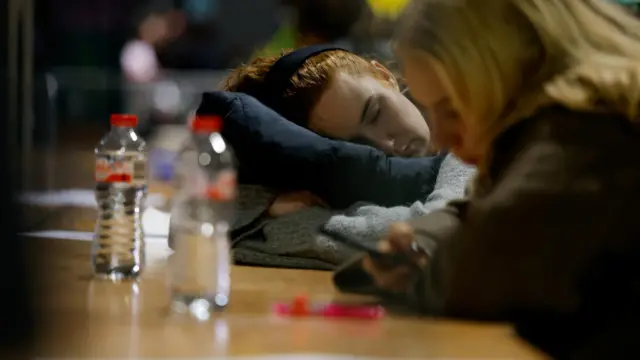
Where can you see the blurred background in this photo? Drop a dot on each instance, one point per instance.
(68, 64)
(153, 57)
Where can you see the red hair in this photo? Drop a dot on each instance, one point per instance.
(308, 83)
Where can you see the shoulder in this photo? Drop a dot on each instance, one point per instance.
(558, 129)
(559, 143)
(558, 123)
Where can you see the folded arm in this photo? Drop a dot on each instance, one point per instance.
(369, 223)
(275, 152)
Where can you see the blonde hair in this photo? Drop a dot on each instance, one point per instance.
(501, 60)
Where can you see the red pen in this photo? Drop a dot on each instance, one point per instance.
(301, 307)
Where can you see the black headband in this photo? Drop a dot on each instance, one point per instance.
(278, 78)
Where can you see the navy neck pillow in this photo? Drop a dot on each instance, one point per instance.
(275, 152)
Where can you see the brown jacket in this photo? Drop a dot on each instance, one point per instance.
(555, 234)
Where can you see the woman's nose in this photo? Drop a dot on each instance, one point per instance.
(388, 146)
(383, 139)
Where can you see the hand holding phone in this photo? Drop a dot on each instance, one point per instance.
(384, 254)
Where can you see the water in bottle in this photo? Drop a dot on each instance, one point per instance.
(201, 217)
(121, 188)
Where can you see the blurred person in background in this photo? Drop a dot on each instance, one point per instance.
(139, 57)
(362, 26)
(372, 33)
(168, 42)
(184, 35)
(315, 22)
(141, 64)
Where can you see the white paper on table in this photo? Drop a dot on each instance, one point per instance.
(75, 197)
(155, 224)
(81, 236)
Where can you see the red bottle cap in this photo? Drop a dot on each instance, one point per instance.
(124, 120)
(209, 124)
(299, 306)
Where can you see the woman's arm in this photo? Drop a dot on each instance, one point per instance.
(371, 222)
(516, 249)
(277, 153)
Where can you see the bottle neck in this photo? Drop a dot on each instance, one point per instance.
(121, 129)
(202, 134)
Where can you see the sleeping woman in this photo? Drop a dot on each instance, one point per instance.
(345, 101)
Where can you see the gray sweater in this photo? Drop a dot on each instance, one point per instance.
(370, 222)
(292, 240)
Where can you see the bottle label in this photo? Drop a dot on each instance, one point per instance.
(222, 187)
(127, 168)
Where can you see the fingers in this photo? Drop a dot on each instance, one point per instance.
(313, 200)
(309, 198)
(320, 202)
(394, 279)
(391, 276)
(291, 202)
(401, 237)
(384, 246)
(304, 197)
(398, 238)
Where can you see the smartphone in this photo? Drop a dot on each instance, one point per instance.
(372, 251)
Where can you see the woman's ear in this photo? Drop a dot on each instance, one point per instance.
(387, 75)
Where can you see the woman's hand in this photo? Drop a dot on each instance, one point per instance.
(291, 202)
(390, 276)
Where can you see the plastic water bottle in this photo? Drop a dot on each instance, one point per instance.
(201, 216)
(165, 146)
(179, 171)
(121, 189)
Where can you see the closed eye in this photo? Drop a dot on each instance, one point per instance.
(371, 111)
(377, 110)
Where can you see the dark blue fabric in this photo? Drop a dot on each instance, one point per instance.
(273, 151)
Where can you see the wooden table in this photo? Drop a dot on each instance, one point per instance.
(87, 318)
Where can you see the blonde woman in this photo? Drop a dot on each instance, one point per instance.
(544, 96)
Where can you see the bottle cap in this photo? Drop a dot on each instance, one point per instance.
(124, 120)
(208, 123)
(299, 306)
